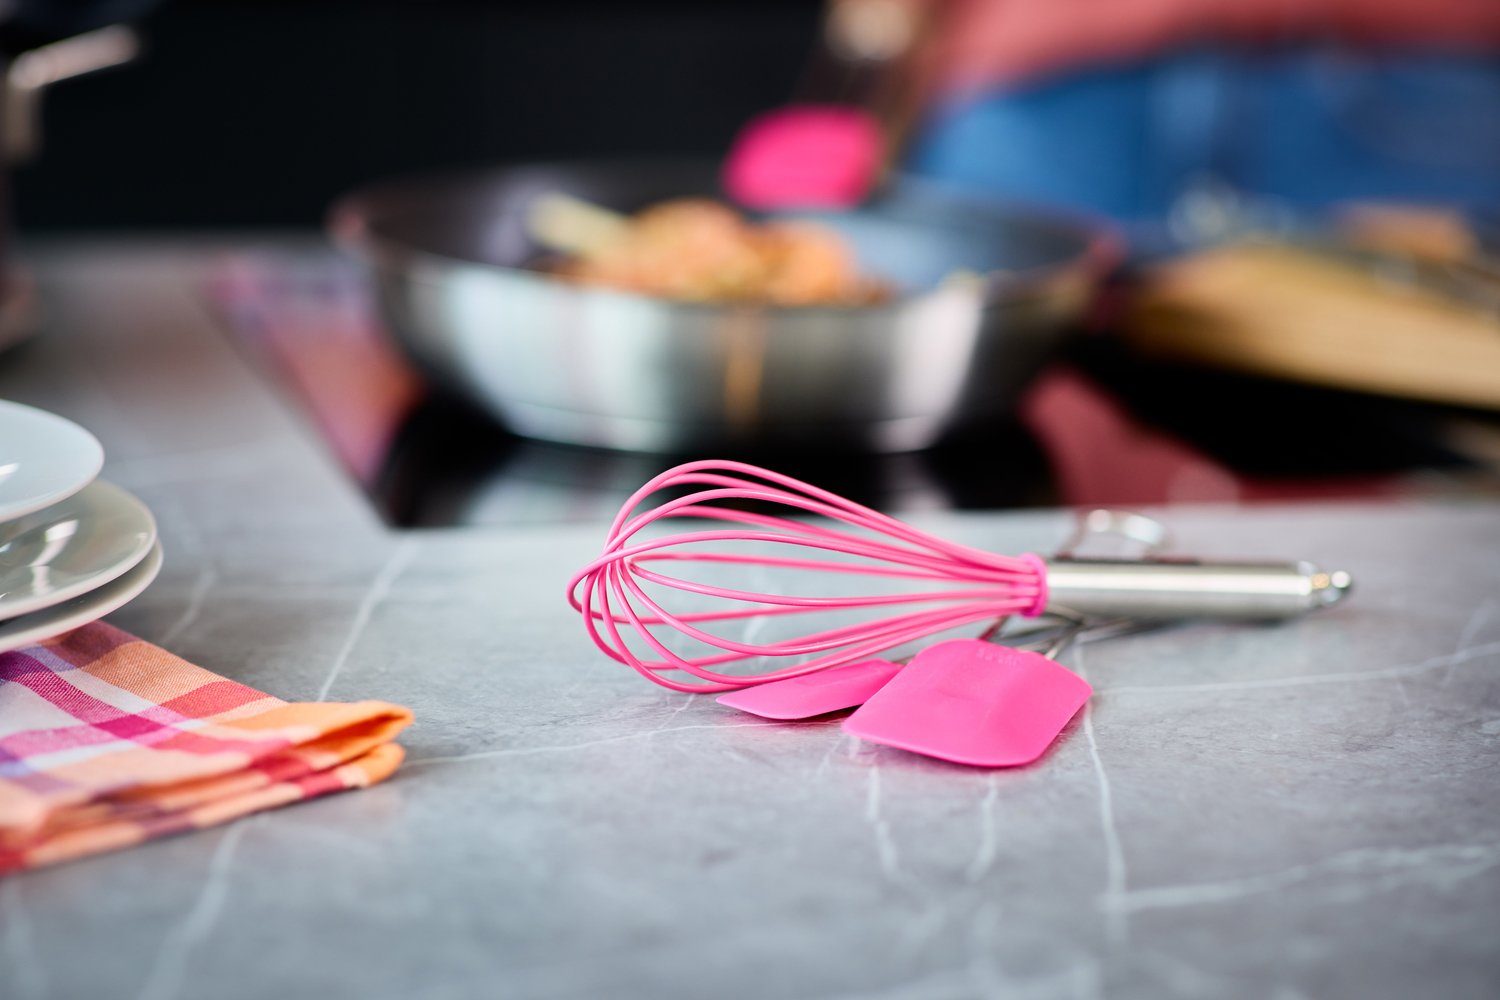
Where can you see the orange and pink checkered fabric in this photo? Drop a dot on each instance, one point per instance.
(106, 741)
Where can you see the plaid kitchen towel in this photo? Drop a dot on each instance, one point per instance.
(106, 741)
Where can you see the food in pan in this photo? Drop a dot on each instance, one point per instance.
(701, 251)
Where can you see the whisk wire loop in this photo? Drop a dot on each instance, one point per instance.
(610, 592)
(696, 503)
(832, 505)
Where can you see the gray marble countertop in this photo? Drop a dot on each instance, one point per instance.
(1307, 810)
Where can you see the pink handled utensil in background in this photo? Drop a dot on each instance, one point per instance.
(810, 156)
(861, 93)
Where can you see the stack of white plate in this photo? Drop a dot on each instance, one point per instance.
(73, 548)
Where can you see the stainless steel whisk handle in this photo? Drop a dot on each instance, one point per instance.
(1189, 589)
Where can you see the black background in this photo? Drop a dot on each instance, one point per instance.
(259, 113)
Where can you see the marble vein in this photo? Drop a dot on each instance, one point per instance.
(1477, 620)
(1116, 924)
(1344, 677)
(885, 844)
(571, 747)
(984, 854)
(169, 966)
(164, 979)
(687, 700)
(1375, 870)
(207, 577)
(379, 588)
(833, 748)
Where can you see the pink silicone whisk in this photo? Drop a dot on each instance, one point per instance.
(623, 594)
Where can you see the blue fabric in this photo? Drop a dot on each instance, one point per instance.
(1306, 127)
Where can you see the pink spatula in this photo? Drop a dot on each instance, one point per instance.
(811, 695)
(973, 702)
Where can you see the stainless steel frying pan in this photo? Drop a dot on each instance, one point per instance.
(557, 361)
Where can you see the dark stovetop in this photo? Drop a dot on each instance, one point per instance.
(1097, 429)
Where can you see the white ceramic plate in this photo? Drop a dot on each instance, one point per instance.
(69, 615)
(44, 459)
(72, 547)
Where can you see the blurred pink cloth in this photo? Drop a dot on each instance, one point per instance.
(980, 43)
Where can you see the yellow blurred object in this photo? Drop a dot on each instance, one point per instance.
(701, 251)
(1295, 313)
(1421, 231)
(572, 225)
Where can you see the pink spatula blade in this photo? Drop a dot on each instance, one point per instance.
(973, 702)
(831, 690)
